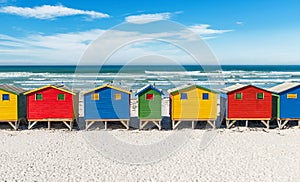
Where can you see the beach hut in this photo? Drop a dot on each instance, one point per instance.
(107, 103)
(52, 103)
(247, 103)
(193, 103)
(287, 103)
(149, 105)
(12, 105)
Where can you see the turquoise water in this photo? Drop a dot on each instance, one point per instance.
(134, 77)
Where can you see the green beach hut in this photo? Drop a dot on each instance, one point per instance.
(149, 105)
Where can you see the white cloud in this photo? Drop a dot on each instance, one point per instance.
(64, 48)
(67, 48)
(147, 18)
(49, 12)
(239, 23)
(204, 29)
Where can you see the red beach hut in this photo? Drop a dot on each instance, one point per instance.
(52, 103)
(248, 102)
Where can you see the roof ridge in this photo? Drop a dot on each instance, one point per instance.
(141, 90)
(122, 89)
(189, 86)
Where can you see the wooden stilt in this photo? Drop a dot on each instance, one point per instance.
(49, 125)
(88, 125)
(176, 124)
(266, 123)
(298, 123)
(105, 125)
(263, 122)
(231, 124)
(279, 124)
(12, 125)
(211, 123)
(159, 125)
(285, 122)
(124, 123)
(227, 123)
(17, 124)
(247, 123)
(68, 125)
(143, 124)
(90, 122)
(31, 125)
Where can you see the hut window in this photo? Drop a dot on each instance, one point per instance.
(183, 96)
(38, 97)
(95, 97)
(238, 96)
(149, 96)
(260, 95)
(292, 96)
(205, 96)
(61, 97)
(118, 96)
(5, 96)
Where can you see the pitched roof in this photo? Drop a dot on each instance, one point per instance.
(233, 88)
(58, 87)
(283, 87)
(188, 87)
(12, 89)
(147, 87)
(64, 87)
(109, 86)
(238, 87)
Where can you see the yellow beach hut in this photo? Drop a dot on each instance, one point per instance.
(12, 105)
(193, 103)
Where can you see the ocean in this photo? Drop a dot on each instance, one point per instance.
(134, 77)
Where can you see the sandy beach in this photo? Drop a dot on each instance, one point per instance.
(238, 154)
(160, 91)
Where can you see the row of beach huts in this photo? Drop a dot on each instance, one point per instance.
(110, 103)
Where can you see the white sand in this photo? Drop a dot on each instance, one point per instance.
(232, 155)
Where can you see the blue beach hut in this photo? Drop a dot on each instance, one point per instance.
(286, 104)
(107, 103)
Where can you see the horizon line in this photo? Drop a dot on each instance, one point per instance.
(152, 65)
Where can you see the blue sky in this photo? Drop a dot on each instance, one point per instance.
(237, 32)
